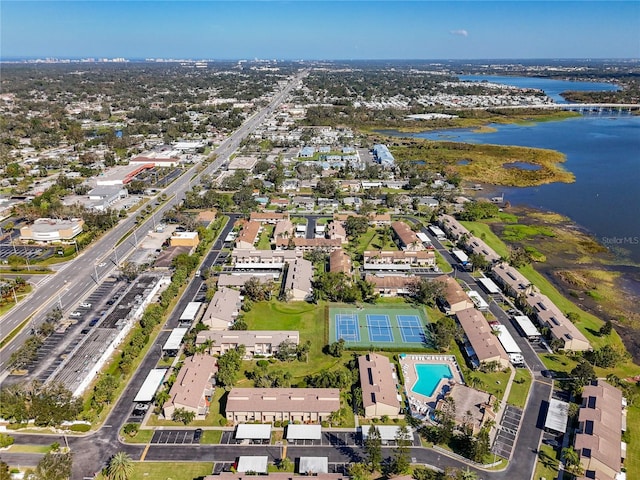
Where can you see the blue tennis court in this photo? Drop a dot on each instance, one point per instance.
(411, 328)
(379, 328)
(347, 327)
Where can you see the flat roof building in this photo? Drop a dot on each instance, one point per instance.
(48, 230)
(242, 163)
(184, 239)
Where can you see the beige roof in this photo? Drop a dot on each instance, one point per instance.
(268, 216)
(391, 281)
(601, 420)
(480, 336)
(192, 381)
(479, 247)
(508, 275)
(453, 292)
(299, 275)
(247, 337)
(283, 229)
(452, 226)
(560, 326)
(404, 233)
(320, 400)
(238, 280)
(377, 381)
(339, 261)
(240, 255)
(331, 243)
(222, 309)
(336, 229)
(404, 256)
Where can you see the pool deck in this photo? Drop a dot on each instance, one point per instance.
(422, 405)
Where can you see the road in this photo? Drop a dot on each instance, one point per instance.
(76, 278)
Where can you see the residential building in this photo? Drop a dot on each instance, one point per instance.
(256, 342)
(297, 284)
(601, 421)
(405, 237)
(248, 235)
(268, 217)
(335, 230)
(455, 299)
(485, 346)
(510, 279)
(223, 309)
(249, 259)
(49, 230)
(453, 228)
(239, 279)
(392, 260)
(340, 261)
(473, 407)
(309, 244)
(479, 247)
(292, 404)
(283, 230)
(392, 285)
(383, 156)
(193, 387)
(560, 327)
(378, 381)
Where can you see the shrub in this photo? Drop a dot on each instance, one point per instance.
(5, 440)
(80, 427)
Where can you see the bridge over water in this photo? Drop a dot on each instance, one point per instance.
(575, 107)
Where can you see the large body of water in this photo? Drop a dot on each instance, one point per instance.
(603, 152)
(553, 88)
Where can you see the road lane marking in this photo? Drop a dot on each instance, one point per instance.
(144, 452)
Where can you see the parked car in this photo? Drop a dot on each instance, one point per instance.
(85, 305)
(75, 314)
(197, 435)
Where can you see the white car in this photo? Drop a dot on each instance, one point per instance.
(75, 314)
(103, 264)
(85, 305)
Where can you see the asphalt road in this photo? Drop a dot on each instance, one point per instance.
(76, 278)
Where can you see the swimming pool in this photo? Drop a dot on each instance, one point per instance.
(429, 376)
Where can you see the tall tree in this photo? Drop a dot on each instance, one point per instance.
(54, 466)
(120, 467)
(373, 448)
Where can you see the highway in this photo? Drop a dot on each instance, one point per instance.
(76, 278)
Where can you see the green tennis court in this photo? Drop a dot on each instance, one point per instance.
(381, 326)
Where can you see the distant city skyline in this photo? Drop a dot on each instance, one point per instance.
(317, 30)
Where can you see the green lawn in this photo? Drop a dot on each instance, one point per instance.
(443, 265)
(29, 448)
(169, 470)
(309, 320)
(633, 447)
(211, 436)
(483, 231)
(547, 464)
(519, 391)
(265, 238)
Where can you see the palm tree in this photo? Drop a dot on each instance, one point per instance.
(467, 474)
(120, 467)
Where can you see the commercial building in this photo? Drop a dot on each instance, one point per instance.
(292, 404)
(48, 230)
(103, 197)
(256, 342)
(223, 309)
(598, 440)
(242, 163)
(184, 239)
(122, 175)
(482, 345)
(193, 387)
(378, 380)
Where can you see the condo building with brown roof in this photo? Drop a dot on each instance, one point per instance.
(249, 234)
(378, 381)
(598, 440)
(454, 297)
(223, 309)
(256, 342)
(453, 228)
(268, 217)
(392, 285)
(378, 259)
(340, 261)
(272, 404)
(193, 387)
(486, 346)
(405, 237)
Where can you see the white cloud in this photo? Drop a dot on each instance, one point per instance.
(462, 33)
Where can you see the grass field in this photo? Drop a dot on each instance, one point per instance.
(264, 243)
(213, 419)
(519, 391)
(143, 436)
(547, 464)
(168, 470)
(633, 447)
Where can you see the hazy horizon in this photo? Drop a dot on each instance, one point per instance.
(319, 30)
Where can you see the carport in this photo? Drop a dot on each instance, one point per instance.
(313, 465)
(557, 416)
(150, 385)
(252, 464)
(303, 432)
(254, 432)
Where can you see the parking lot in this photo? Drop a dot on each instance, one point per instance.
(180, 437)
(507, 431)
(30, 253)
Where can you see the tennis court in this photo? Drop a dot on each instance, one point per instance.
(391, 327)
(347, 327)
(411, 328)
(379, 328)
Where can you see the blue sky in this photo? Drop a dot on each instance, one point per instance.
(305, 29)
